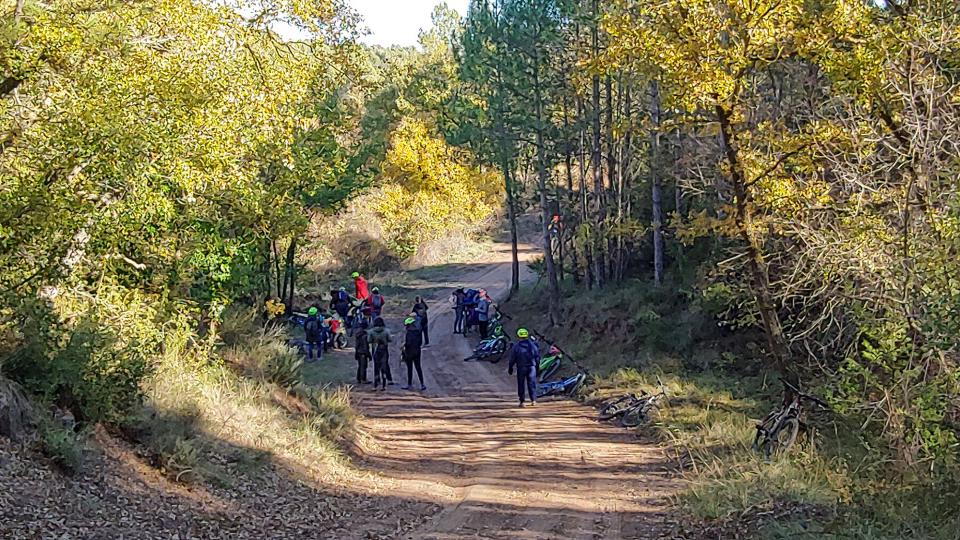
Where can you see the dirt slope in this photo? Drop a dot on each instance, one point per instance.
(499, 471)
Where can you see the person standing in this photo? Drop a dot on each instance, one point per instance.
(412, 344)
(376, 303)
(362, 353)
(459, 309)
(379, 338)
(483, 313)
(362, 289)
(525, 357)
(420, 308)
(313, 333)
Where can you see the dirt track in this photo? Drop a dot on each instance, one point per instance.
(499, 471)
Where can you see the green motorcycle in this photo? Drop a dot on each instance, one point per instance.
(550, 364)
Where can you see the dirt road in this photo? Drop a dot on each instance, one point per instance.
(498, 471)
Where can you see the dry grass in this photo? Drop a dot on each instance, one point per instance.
(204, 410)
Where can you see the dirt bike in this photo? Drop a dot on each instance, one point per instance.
(336, 330)
(491, 349)
(568, 386)
(359, 313)
(550, 364)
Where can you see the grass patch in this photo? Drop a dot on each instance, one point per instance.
(211, 414)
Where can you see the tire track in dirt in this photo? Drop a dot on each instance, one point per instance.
(498, 471)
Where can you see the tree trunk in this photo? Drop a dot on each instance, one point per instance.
(611, 184)
(623, 171)
(657, 192)
(290, 275)
(543, 176)
(596, 157)
(512, 215)
(584, 210)
(755, 262)
(276, 267)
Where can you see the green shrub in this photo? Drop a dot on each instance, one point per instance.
(89, 354)
(61, 445)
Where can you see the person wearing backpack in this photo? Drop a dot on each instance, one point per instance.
(362, 353)
(379, 338)
(420, 308)
(525, 357)
(376, 303)
(412, 344)
(313, 330)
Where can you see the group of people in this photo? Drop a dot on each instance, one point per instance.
(471, 308)
(374, 344)
(323, 325)
(372, 338)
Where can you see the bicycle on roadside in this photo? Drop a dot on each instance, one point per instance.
(777, 433)
(632, 409)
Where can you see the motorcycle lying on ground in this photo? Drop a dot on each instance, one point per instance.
(492, 348)
(550, 364)
(567, 387)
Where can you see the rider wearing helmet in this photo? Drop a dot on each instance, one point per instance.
(313, 330)
(525, 356)
(412, 344)
(363, 292)
(376, 303)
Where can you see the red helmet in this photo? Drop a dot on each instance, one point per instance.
(554, 350)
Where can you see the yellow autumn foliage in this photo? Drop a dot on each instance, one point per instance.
(430, 189)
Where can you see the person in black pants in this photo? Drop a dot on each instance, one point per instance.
(525, 357)
(420, 308)
(362, 353)
(380, 339)
(412, 344)
(460, 310)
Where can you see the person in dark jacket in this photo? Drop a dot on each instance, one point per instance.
(380, 338)
(412, 344)
(341, 303)
(362, 353)
(314, 334)
(459, 309)
(420, 308)
(525, 357)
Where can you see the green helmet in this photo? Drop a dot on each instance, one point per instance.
(312, 311)
(523, 333)
(355, 275)
(409, 320)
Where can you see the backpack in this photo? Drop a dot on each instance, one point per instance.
(376, 301)
(312, 329)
